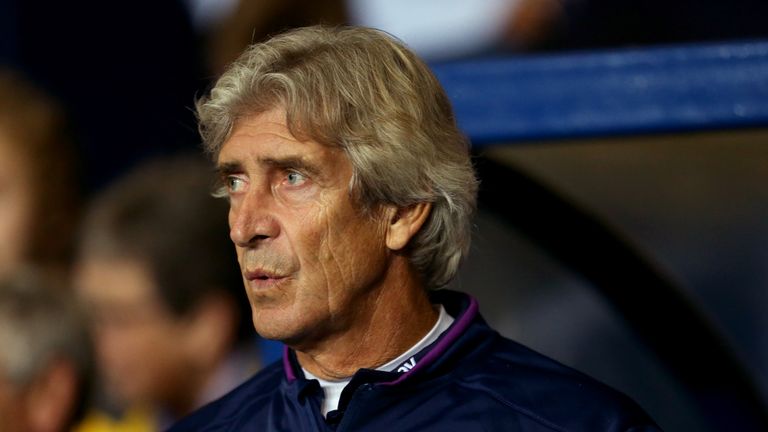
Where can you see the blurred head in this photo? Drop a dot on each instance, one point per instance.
(46, 357)
(160, 277)
(38, 191)
(364, 94)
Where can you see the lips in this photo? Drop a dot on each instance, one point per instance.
(260, 280)
(262, 270)
(262, 275)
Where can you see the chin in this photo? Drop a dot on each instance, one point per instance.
(272, 328)
(288, 330)
(270, 334)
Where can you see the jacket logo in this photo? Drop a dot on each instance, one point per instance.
(408, 365)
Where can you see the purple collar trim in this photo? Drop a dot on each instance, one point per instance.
(445, 342)
(287, 364)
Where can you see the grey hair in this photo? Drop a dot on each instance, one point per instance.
(363, 91)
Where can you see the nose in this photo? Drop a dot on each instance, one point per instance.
(252, 221)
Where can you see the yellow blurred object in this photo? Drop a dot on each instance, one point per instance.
(134, 420)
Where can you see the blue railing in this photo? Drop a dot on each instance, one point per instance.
(618, 92)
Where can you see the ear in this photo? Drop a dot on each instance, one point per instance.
(404, 223)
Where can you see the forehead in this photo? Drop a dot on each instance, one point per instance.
(266, 135)
(115, 280)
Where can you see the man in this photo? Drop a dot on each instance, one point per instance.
(351, 194)
(45, 355)
(160, 277)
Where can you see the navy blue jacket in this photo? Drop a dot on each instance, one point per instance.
(470, 379)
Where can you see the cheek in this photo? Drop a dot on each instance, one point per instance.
(297, 198)
(327, 241)
(352, 249)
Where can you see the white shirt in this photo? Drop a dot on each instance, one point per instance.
(333, 389)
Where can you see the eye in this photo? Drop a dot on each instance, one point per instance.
(234, 184)
(295, 178)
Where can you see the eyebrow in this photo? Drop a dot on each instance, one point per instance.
(227, 168)
(292, 162)
(289, 162)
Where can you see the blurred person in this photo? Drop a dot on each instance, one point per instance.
(351, 196)
(590, 24)
(161, 280)
(253, 21)
(444, 30)
(46, 362)
(450, 29)
(39, 189)
(436, 30)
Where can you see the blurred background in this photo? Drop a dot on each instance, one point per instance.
(622, 147)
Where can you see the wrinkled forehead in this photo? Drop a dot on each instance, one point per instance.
(307, 117)
(265, 139)
(281, 125)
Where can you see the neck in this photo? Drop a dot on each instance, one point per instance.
(393, 317)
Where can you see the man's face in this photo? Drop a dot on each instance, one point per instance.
(311, 260)
(140, 345)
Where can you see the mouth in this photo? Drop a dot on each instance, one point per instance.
(261, 279)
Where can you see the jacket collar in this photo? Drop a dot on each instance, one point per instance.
(464, 309)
